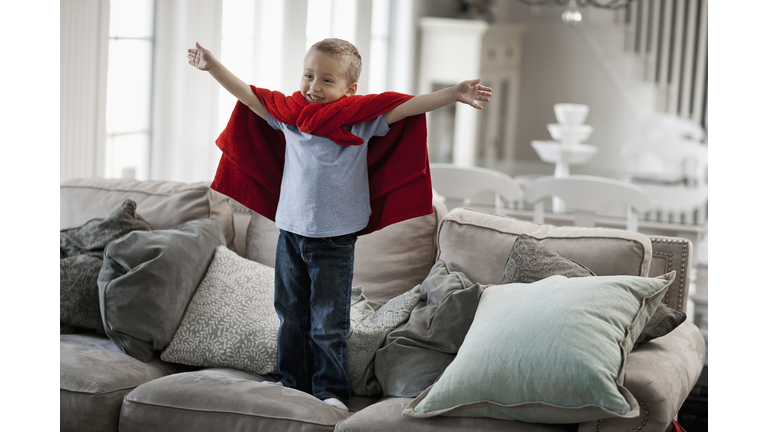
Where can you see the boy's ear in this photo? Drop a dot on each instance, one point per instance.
(351, 90)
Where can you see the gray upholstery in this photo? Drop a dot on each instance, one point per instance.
(102, 387)
(94, 376)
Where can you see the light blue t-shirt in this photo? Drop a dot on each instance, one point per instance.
(324, 191)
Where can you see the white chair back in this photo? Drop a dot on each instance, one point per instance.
(459, 184)
(675, 160)
(585, 196)
(674, 173)
(670, 126)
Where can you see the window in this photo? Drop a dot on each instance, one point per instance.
(377, 78)
(237, 46)
(331, 18)
(129, 89)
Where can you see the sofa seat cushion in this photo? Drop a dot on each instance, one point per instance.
(94, 377)
(225, 400)
(386, 416)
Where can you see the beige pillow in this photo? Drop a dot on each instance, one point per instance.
(388, 262)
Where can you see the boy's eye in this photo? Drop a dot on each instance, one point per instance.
(327, 80)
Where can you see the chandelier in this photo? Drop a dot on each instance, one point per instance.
(572, 15)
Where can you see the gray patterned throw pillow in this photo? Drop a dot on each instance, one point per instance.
(530, 261)
(231, 320)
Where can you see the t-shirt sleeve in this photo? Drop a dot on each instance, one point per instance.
(371, 128)
(274, 123)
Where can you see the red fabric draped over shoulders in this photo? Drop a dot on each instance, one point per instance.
(251, 167)
(328, 119)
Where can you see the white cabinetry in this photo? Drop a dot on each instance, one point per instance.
(453, 50)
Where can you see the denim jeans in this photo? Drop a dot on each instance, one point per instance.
(313, 285)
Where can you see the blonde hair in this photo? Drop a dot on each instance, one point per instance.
(345, 50)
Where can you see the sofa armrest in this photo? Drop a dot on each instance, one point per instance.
(660, 374)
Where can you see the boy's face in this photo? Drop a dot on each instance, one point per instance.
(324, 79)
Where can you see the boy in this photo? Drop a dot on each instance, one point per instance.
(324, 197)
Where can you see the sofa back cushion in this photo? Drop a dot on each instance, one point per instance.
(164, 204)
(388, 262)
(478, 244)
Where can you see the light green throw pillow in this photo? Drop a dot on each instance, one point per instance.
(552, 351)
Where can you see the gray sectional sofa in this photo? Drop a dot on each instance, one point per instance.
(437, 272)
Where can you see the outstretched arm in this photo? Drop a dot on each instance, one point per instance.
(202, 59)
(466, 92)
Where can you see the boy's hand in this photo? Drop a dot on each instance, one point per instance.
(470, 91)
(200, 58)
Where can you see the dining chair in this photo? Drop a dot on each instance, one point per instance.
(459, 184)
(670, 126)
(674, 173)
(585, 196)
(670, 160)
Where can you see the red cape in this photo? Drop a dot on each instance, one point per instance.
(251, 167)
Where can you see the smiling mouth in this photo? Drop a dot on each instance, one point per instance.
(313, 98)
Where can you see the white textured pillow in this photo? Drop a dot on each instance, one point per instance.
(231, 320)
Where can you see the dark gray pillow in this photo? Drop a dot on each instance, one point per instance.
(147, 280)
(416, 353)
(663, 321)
(81, 252)
(530, 261)
(92, 237)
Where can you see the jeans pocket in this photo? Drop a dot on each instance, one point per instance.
(343, 242)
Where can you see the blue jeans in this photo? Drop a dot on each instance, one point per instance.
(313, 285)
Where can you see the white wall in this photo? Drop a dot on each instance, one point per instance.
(559, 65)
(562, 64)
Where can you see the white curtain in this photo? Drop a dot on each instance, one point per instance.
(84, 32)
(185, 99)
(186, 113)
